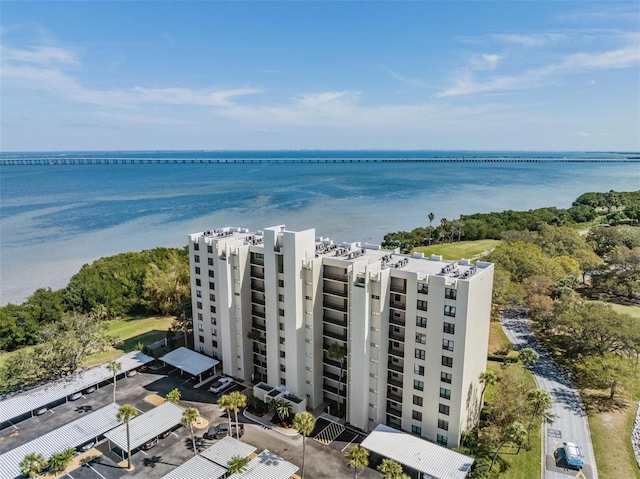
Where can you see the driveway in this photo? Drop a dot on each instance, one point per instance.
(570, 423)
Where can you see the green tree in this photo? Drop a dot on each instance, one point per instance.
(431, 217)
(540, 400)
(358, 458)
(606, 371)
(32, 464)
(304, 423)
(125, 414)
(488, 378)
(514, 432)
(528, 357)
(167, 286)
(45, 306)
(59, 461)
(22, 368)
(173, 396)
(225, 402)
(390, 469)
(281, 408)
(189, 417)
(238, 401)
(114, 367)
(237, 464)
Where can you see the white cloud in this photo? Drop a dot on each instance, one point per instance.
(40, 55)
(530, 39)
(486, 61)
(582, 133)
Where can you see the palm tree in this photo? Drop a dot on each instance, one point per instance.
(237, 464)
(431, 218)
(390, 469)
(487, 378)
(125, 414)
(358, 458)
(514, 432)
(305, 423)
(32, 464)
(225, 403)
(253, 334)
(281, 407)
(238, 401)
(173, 396)
(114, 366)
(59, 461)
(337, 353)
(541, 401)
(528, 357)
(189, 417)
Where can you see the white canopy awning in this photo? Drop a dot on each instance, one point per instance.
(189, 361)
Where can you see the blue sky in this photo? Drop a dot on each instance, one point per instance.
(525, 75)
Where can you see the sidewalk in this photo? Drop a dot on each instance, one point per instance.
(289, 432)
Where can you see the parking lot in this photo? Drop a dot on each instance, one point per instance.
(322, 461)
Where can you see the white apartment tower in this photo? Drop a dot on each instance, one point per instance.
(393, 339)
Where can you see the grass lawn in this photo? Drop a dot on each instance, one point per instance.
(130, 332)
(611, 432)
(633, 311)
(464, 249)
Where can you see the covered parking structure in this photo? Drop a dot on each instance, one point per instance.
(266, 465)
(20, 406)
(420, 458)
(145, 427)
(189, 361)
(81, 431)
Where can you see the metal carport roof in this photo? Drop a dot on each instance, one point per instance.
(195, 468)
(266, 465)
(22, 403)
(436, 461)
(225, 449)
(146, 426)
(74, 434)
(189, 361)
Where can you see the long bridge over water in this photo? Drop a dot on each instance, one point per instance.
(57, 161)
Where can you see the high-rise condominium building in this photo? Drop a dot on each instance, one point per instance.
(387, 338)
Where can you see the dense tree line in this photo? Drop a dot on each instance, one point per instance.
(147, 282)
(614, 208)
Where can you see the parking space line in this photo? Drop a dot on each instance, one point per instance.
(92, 468)
(354, 438)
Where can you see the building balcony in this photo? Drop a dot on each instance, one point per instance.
(331, 362)
(257, 350)
(397, 367)
(335, 277)
(398, 305)
(394, 411)
(396, 320)
(257, 274)
(259, 314)
(256, 261)
(335, 292)
(397, 382)
(257, 300)
(257, 286)
(398, 352)
(258, 325)
(336, 307)
(394, 397)
(398, 288)
(334, 390)
(396, 336)
(394, 422)
(334, 335)
(338, 322)
(335, 377)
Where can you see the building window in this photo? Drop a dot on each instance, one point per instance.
(308, 297)
(196, 258)
(442, 424)
(281, 312)
(214, 332)
(416, 430)
(450, 311)
(281, 326)
(445, 393)
(210, 261)
(420, 353)
(198, 282)
(212, 285)
(281, 283)
(282, 355)
(422, 305)
(443, 409)
(200, 327)
(447, 361)
(423, 288)
(197, 269)
(201, 339)
(199, 305)
(308, 341)
(198, 293)
(236, 267)
(449, 328)
(421, 338)
(375, 296)
(211, 274)
(308, 283)
(445, 378)
(214, 321)
(212, 297)
(440, 439)
(373, 328)
(447, 345)
(417, 415)
(209, 249)
(196, 246)
(417, 400)
(202, 349)
(419, 370)
(372, 375)
(374, 345)
(283, 368)
(281, 340)
(309, 355)
(421, 322)
(450, 293)
(418, 385)
(283, 381)
(212, 309)
(214, 343)
(199, 316)
(281, 297)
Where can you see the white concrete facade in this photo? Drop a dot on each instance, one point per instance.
(414, 330)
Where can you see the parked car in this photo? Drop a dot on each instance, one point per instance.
(40, 411)
(220, 385)
(90, 389)
(149, 444)
(86, 447)
(222, 430)
(131, 372)
(164, 434)
(75, 396)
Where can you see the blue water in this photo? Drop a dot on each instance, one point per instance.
(53, 219)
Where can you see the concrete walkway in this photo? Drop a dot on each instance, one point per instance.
(570, 423)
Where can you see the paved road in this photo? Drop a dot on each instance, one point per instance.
(570, 423)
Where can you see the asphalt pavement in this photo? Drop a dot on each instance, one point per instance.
(570, 422)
